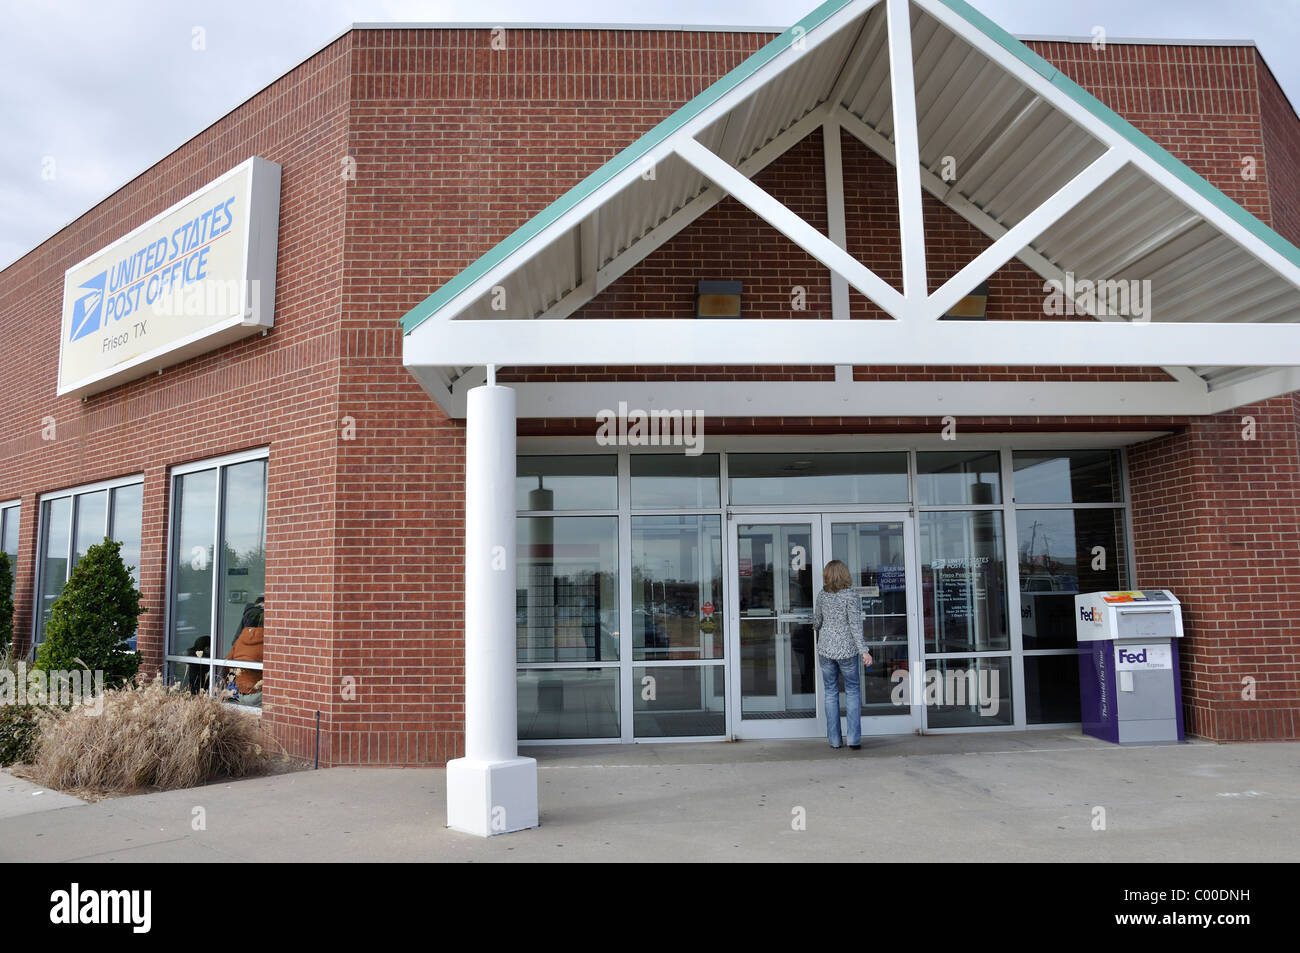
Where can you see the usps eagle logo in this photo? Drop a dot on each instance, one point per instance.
(88, 310)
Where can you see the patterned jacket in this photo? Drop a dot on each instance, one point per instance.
(837, 623)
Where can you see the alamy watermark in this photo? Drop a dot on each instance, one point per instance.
(1113, 297)
(954, 687)
(78, 688)
(652, 428)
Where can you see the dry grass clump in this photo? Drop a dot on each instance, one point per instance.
(150, 736)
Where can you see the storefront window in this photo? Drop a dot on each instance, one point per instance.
(566, 483)
(672, 480)
(1051, 689)
(968, 692)
(1062, 552)
(814, 478)
(1073, 476)
(567, 589)
(9, 516)
(963, 582)
(955, 478)
(677, 587)
(73, 521)
(217, 600)
(568, 703)
(678, 701)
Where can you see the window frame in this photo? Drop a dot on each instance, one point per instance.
(42, 535)
(220, 464)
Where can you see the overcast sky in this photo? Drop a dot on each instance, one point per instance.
(96, 91)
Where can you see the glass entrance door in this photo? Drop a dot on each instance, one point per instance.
(877, 551)
(777, 562)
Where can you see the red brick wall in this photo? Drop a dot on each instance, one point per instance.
(455, 145)
(276, 390)
(1217, 520)
(1281, 140)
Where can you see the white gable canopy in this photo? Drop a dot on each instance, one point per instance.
(1050, 175)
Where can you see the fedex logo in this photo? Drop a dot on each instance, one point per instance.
(1090, 614)
(1125, 655)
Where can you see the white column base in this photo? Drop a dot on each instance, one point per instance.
(491, 797)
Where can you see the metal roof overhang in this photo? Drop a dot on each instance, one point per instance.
(1047, 172)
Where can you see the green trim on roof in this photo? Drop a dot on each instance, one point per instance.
(1119, 124)
(628, 157)
(757, 60)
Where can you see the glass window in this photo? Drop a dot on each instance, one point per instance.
(243, 551)
(128, 517)
(1052, 689)
(677, 587)
(678, 701)
(191, 570)
(566, 483)
(92, 522)
(1061, 553)
(968, 692)
(567, 588)
(217, 603)
(568, 703)
(959, 477)
(56, 518)
(674, 480)
(71, 524)
(1071, 476)
(9, 517)
(963, 582)
(810, 478)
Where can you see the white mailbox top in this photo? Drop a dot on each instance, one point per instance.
(1137, 614)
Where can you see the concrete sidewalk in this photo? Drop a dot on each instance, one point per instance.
(971, 797)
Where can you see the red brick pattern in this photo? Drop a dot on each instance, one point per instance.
(455, 144)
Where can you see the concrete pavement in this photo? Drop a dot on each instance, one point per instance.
(1030, 796)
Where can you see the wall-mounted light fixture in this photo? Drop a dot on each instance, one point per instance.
(972, 307)
(717, 299)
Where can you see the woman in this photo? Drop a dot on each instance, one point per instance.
(837, 626)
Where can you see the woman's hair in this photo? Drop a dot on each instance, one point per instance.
(836, 576)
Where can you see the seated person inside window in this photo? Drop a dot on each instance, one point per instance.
(248, 648)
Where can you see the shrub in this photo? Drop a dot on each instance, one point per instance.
(91, 621)
(19, 727)
(148, 736)
(6, 603)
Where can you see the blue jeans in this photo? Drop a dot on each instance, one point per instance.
(832, 668)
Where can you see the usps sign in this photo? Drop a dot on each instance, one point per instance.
(197, 276)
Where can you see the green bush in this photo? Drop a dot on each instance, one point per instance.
(20, 726)
(91, 621)
(6, 603)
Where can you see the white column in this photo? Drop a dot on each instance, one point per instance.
(491, 790)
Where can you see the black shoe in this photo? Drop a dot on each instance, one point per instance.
(856, 747)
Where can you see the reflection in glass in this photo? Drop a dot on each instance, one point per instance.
(567, 588)
(191, 569)
(674, 480)
(568, 703)
(967, 692)
(959, 477)
(243, 553)
(963, 582)
(128, 511)
(869, 478)
(874, 555)
(1073, 476)
(56, 520)
(92, 522)
(1052, 689)
(9, 537)
(777, 663)
(1060, 553)
(566, 483)
(677, 587)
(678, 701)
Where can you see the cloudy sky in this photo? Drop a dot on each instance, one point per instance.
(96, 91)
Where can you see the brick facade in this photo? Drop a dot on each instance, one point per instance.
(454, 146)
